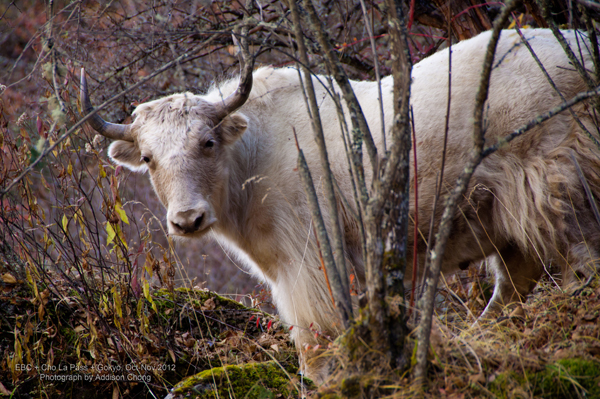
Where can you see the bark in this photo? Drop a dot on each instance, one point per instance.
(395, 183)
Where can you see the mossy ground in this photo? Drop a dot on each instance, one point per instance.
(549, 350)
(252, 381)
(57, 343)
(210, 346)
(566, 378)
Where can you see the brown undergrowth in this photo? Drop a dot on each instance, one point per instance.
(52, 343)
(549, 348)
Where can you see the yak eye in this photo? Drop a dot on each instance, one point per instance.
(145, 159)
(209, 144)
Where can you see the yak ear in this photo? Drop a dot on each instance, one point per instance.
(127, 154)
(232, 128)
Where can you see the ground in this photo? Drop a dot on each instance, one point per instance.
(195, 342)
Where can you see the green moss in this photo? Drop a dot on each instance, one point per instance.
(329, 396)
(566, 378)
(569, 378)
(197, 298)
(503, 383)
(351, 387)
(253, 380)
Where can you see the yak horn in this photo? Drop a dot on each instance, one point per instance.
(113, 131)
(240, 96)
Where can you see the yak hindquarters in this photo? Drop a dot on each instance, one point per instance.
(541, 208)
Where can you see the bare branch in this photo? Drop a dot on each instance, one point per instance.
(339, 277)
(589, 4)
(436, 255)
(540, 119)
(323, 238)
(547, 75)
(561, 39)
(182, 58)
(377, 75)
(392, 187)
(360, 127)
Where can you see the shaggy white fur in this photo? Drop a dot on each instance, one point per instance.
(237, 178)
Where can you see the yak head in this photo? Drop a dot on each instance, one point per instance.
(184, 142)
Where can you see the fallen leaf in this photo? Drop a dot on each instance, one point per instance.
(209, 304)
(9, 278)
(3, 390)
(479, 378)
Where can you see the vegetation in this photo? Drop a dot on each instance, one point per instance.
(134, 346)
(96, 300)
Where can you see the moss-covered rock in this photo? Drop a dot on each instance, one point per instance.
(266, 380)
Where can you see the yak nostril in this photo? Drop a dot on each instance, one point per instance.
(189, 221)
(198, 222)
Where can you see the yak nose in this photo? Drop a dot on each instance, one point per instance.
(188, 221)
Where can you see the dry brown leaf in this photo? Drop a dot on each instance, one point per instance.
(517, 312)
(209, 304)
(477, 378)
(9, 278)
(3, 390)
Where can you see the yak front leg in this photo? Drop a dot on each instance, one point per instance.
(515, 275)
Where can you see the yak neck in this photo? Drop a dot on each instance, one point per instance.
(239, 190)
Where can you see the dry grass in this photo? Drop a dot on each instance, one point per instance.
(549, 348)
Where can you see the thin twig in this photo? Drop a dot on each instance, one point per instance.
(586, 188)
(539, 119)
(561, 39)
(337, 270)
(377, 75)
(415, 265)
(549, 79)
(322, 236)
(82, 121)
(436, 255)
(324, 268)
(360, 127)
(439, 180)
(589, 4)
(591, 29)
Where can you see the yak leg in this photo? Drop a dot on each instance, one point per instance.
(515, 274)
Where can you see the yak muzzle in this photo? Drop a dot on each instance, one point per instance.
(190, 221)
